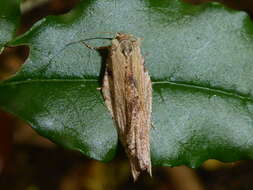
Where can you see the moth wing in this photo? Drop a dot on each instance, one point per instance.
(141, 113)
(116, 80)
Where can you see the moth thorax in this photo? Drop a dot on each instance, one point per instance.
(126, 47)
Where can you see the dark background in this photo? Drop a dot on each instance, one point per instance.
(31, 162)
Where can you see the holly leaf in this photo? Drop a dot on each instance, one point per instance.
(9, 20)
(200, 61)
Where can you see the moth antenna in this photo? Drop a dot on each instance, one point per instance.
(87, 45)
(94, 48)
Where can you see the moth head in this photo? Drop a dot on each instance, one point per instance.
(127, 42)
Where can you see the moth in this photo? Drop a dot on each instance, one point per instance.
(127, 92)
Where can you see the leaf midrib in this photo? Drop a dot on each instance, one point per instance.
(177, 84)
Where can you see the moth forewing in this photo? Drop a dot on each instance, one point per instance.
(127, 92)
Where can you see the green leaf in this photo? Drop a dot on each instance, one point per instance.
(9, 20)
(200, 61)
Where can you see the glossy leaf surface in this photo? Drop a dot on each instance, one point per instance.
(200, 61)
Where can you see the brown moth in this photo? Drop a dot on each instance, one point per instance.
(127, 92)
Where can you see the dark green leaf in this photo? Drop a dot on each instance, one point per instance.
(9, 20)
(200, 60)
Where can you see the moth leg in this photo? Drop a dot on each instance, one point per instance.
(106, 92)
(102, 47)
(153, 126)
